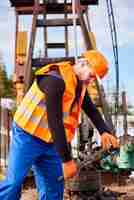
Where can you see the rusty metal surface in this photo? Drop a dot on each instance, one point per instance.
(85, 181)
(87, 178)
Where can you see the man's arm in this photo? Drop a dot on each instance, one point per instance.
(54, 89)
(92, 112)
(107, 139)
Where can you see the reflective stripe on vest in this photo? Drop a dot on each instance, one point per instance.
(31, 115)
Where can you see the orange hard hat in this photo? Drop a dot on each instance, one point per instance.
(97, 61)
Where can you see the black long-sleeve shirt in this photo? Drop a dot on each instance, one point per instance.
(54, 88)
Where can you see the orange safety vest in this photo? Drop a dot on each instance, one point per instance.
(31, 114)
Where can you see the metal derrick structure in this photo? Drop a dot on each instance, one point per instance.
(23, 66)
(36, 8)
(24, 61)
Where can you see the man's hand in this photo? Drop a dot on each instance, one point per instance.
(69, 169)
(108, 141)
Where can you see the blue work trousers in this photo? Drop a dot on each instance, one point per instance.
(28, 152)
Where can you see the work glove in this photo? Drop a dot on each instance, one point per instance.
(108, 141)
(69, 169)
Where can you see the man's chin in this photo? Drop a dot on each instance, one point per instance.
(87, 81)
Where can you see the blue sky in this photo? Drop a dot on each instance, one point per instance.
(123, 10)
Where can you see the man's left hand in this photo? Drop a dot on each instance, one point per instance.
(108, 141)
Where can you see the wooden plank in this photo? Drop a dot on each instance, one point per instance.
(25, 3)
(56, 22)
(22, 2)
(66, 36)
(85, 32)
(28, 10)
(21, 47)
(4, 137)
(45, 37)
(49, 8)
(16, 35)
(38, 62)
(89, 2)
(28, 66)
(55, 45)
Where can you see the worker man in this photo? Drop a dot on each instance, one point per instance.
(44, 126)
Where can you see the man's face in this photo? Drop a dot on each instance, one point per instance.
(83, 70)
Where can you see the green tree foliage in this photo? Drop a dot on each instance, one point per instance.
(5, 83)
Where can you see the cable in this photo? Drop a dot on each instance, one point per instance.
(115, 51)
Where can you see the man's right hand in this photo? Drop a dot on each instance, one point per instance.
(108, 141)
(69, 169)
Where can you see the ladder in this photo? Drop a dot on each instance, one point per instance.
(35, 8)
(57, 23)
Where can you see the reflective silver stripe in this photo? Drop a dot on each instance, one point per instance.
(41, 122)
(23, 110)
(27, 114)
(35, 120)
(32, 97)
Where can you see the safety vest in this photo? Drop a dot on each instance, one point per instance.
(31, 114)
